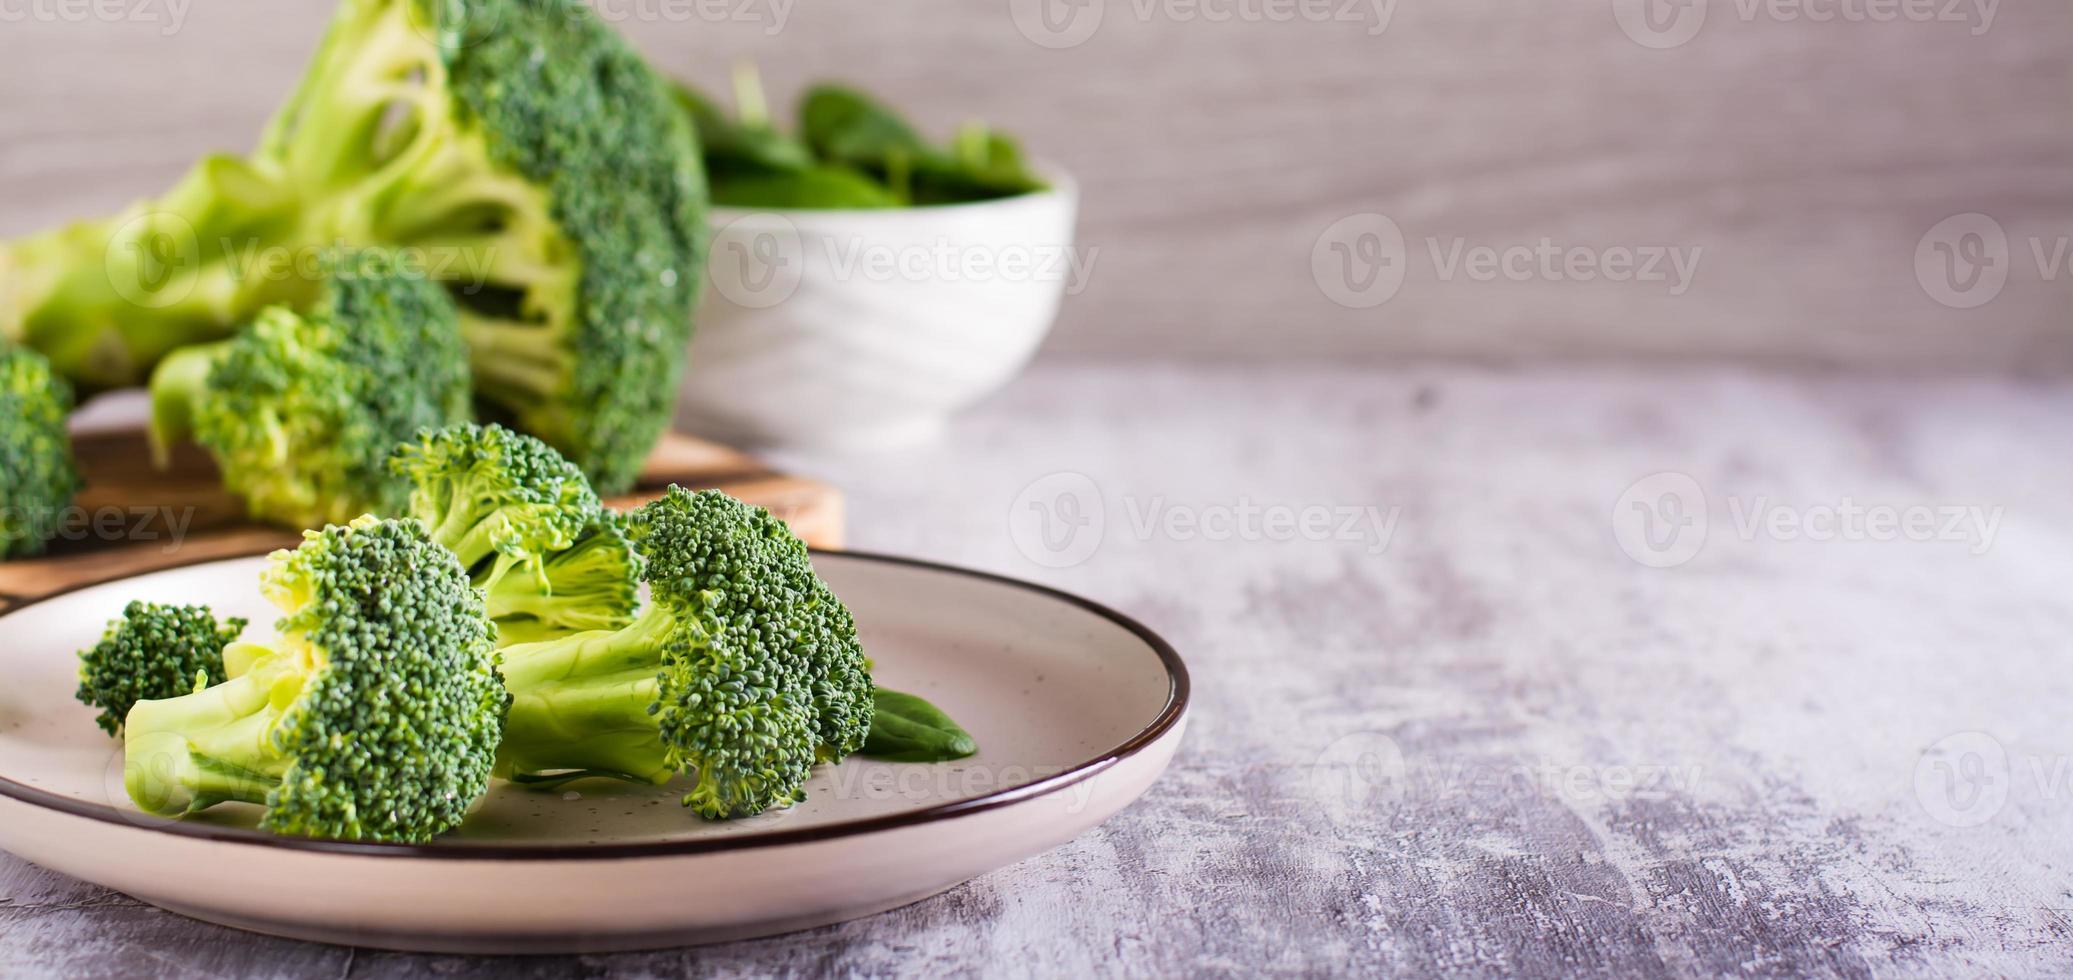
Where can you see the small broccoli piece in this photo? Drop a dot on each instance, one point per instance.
(594, 584)
(524, 522)
(153, 653)
(521, 144)
(302, 410)
(374, 716)
(742, 672)
(37, 476)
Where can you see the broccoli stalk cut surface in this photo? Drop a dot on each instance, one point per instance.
(374, 716)
(525, 524)
(302, 409)
(37, 475)
(742, 672)
(521, 146)
(152, 653)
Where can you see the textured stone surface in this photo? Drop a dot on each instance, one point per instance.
(1498, 744)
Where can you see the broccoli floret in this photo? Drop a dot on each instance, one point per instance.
(152, 653)
(527, 527)
(374, 716)
(525, 146)
(742, 672)
(302, 409)
(38, 478)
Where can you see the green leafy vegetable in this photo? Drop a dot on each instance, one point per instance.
(905, 728)
(852, 152)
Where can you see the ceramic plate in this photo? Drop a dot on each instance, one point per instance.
(1076, 709)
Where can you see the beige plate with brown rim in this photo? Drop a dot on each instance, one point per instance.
(1077, 710)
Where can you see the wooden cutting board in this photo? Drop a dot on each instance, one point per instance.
(134, 518)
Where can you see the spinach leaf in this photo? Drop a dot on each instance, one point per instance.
(822, 187)
(733, 147)
(905, 728)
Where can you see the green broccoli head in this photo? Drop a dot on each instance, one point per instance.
(742, 672)
(374, 716)
(521, 143)
(302, 409)
(152, 653)
(593, 584)
(745, 566)
(37, 476)
(525, 524)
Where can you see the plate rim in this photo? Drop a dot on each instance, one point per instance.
(1168, 719)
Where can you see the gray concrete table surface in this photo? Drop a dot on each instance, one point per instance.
(1451, 716)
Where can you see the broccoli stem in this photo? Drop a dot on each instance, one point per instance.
(178, 387)
(104, 300)
(189, 753)
(583, 703)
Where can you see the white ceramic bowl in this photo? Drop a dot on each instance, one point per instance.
(866, 329)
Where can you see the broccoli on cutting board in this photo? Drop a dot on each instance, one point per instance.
(38, 477)
(302, 409)
(521, 145)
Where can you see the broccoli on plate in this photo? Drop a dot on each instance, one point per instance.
(375, 715)
(152, 653)
(302, 409)
(742, 672)
(526, 525)
(521, 145)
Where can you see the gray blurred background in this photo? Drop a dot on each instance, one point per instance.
(1801, 168)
